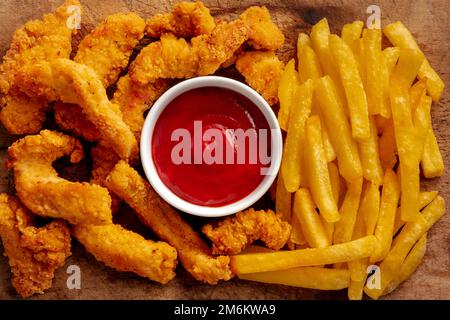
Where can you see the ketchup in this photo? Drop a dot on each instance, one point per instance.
(197, 157)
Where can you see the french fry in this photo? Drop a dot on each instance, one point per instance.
(408, 65)
(330, 153)
(370, 207)
(286, 90)
(304, 277)
(318, 177)
(425, 199)
(336, 122)
(410, 234)
(353, 87)
(358, 52)
(319, 39)
(416, 92)
(400, 36)
(283, 200)
(412, 261)
(408, 147)
(335, 181)
(422, 121)
(344, 228)
(374, 64)
(282, 260)
(390, 57)
(352, 32)
(388, 147)
(308, 62)
(370, 157)
(297, 237)
(384, 231)
(356, 290)
(291, 165)
(305, 211)
(432, 162)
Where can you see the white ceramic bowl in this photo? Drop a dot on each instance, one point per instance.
(146, 150)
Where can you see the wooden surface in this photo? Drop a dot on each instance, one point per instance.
(428, 21)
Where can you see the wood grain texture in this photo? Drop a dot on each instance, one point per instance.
(428, 21)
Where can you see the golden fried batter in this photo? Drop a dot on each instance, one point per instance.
(173, 57)
(42, 191)
(34, 253)
(187, 19)
(47, 39)
(233, 234)
(75, 83)
(263, 33)
(125, 250)
(262, 71)
(168, 225)
(106, 50)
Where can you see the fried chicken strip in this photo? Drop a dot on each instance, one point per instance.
(187, 19)
(71, 82)
(106, 50)
(46, 39)
(262, 71)
(33, 253)
(234, 233)
(168, 225)
(42, 191)
(125, 250)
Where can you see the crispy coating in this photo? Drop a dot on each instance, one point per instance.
(187, 19)
(173, 57)
(33, 253)
(46, 39)
(233, 234)
(125, 250)
(168, 225)
(42, 191)
(262, 71)
(263, 32)
(75, 83)
(106, 50)
(134, 99)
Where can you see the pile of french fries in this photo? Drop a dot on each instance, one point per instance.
(358, 125)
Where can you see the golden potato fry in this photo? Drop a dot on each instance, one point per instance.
(358, 52)
(336, 122)
(416, 92)
(319, 39)
(353, 86)
(388, 147)
(281, 260)
(400, 36)
(291, 164)
(375, 72)
(370, 207)
(432, 162)
(370, 157)
(408, 147)
(305, 211)
(283, 200)
(390, 57)
(286, 90)
(408, 65)
(318, 176)
(384, 231)
(349, 209)
(308, 65)
(304, 277)
(352, 32)
(410, 234)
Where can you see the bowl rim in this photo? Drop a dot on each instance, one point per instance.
(147, 136)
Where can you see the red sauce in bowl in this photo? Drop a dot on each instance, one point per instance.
(201, 151)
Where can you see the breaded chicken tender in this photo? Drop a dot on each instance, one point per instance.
(75, 83)
(106, 50)
(234, 233)
(38, 40)
(125, 250)
(43, 192)
(262, 71)
(33, 253)
(134, 99)
(263, 32)
(168, 225)
(173, 57)
(187, 19)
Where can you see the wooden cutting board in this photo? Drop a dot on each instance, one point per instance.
(428, 21)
